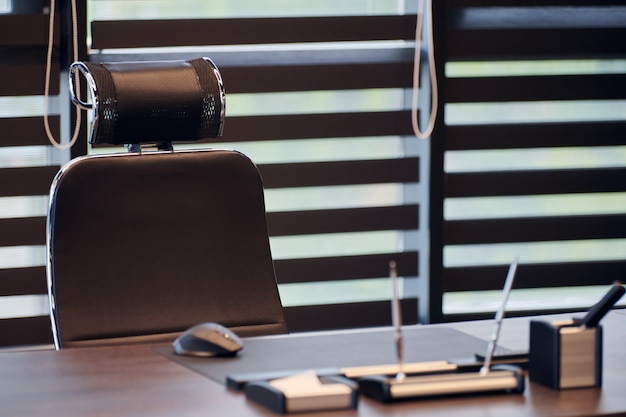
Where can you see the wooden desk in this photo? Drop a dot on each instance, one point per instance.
(135, 381)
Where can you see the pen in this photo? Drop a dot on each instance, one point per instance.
(396, 318)
(599, 310)
(493, 341)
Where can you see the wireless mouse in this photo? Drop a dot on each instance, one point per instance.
(208, 339)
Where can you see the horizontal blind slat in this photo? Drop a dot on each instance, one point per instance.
(483, 44)
(23, 281)
(534, 3)
(23, 231)
(25, 331)
(535, 229)
(342, 220)
(348, 315)
(27, 79)
(535, 182)
(536, 88)
(308, 126)
(176, 32)
(26, 181)
(290, 271)
(26, 131)
(535, 275)
(317, 77)
(340, 173)
(535, 135)
(25, 29)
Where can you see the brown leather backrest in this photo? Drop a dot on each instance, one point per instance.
(150, 244)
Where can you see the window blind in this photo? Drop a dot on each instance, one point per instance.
(317, 100)
(528, 160)
(28, 162)
(26, 171)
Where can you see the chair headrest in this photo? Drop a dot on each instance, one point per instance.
(152, 102)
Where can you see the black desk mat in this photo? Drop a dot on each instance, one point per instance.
(301, 352)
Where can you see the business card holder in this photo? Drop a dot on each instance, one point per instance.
(564, 354)
(304, 392)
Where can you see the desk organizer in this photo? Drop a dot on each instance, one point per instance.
(500, 378)
(304, 392)
(565, 355)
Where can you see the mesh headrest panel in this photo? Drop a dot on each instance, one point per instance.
(161, 101)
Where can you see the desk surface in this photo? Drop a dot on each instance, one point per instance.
(136, 381)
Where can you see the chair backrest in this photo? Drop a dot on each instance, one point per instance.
(143, 245)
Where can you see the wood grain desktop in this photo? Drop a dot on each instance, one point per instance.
(135, 381)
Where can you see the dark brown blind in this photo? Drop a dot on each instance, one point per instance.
(528, 158)
(322, 241)
(26, 172)
(28, 163)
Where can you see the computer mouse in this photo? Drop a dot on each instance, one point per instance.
(208, 339)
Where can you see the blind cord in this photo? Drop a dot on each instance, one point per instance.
(434, 93)
(46, 122)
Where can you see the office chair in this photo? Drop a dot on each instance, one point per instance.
(145, 244)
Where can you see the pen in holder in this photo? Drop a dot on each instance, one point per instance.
(568, 354)
(488, 379)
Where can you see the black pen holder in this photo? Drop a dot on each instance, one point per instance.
(565, 355)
